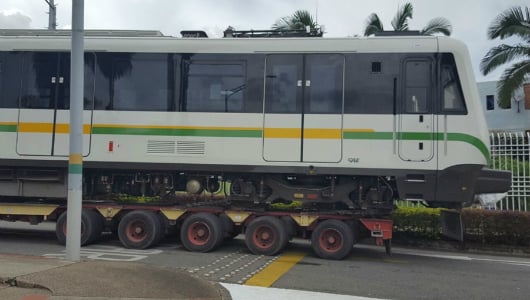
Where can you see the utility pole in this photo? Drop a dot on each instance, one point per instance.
(52, 18)
(75, 162)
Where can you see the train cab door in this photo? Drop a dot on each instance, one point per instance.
(44, 115)
(303, 108)
(416, 120)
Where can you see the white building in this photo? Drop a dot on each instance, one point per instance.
(514, 118)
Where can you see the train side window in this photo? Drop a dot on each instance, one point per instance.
(452, 96)
(9, 79)
(213, 87)
(141, 82)
(40, 78)
(325, 75)
(369, 87)
(417, 86)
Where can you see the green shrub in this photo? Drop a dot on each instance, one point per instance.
(417, 222)
(496, 227)
(482, 226)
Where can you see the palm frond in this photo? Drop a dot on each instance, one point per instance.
(400, 21)
(373, 25)
(281, 24)
(437, 25)
(511, 80)
(513, 21)
(297, 21)
(502, 54)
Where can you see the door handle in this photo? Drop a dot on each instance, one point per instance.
(299, 83)
(308, 83)
(54, 79)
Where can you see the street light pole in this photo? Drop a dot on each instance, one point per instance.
(52, 18)
(75, 162)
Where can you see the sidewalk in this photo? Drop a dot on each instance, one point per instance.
(39, 278)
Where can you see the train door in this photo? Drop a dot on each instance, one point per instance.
(303, 108)
(44, 116)
(416, 122)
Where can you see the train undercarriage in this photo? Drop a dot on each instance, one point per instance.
(334, 212)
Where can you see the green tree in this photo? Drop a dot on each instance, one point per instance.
(297, 21)
(400, 22)
(513, 22)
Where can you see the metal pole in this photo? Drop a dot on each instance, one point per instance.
(52, 18)
(75, 163)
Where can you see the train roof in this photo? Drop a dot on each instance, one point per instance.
(155, 42)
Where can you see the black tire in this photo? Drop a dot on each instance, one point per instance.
(164, 226)
(332, 239)
(266, 236)
(92, 224)
(229, 231)
(201, 232)
(139, 229)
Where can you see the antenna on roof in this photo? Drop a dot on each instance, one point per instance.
(230, 32)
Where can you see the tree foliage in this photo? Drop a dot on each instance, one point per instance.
(400, 22)
(513, 22)
(297, 21)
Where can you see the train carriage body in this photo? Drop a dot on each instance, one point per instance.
(367, 119)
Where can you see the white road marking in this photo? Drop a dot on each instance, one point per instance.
(245, 292)
(107, 253)
(520, 262)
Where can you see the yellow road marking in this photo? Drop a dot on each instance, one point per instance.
(274, 271)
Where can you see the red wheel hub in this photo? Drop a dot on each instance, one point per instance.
(330, 240)
(264, 237)
(136, 231)
(199, 233)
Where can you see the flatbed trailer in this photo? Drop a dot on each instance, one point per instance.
(204, 228)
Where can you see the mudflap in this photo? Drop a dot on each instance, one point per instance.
(452, 227)
(381, 230)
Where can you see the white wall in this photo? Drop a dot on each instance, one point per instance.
(500, 119)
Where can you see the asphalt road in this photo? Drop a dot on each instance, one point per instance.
(367, 272)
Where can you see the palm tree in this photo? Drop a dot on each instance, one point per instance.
(297, 21)
(513, 22)
(401, 23)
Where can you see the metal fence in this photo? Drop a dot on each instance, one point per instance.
(511, 151)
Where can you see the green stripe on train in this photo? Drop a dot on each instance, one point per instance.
(178, 132)
(421, 136)
(409, 136)
(8, 128)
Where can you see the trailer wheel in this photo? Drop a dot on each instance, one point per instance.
(266, 236)
(139, 229)
(229, 232)
(164, 226)
(332, 239)
(201, 232)
(92, 224)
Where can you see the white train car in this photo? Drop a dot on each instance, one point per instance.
(337, 123)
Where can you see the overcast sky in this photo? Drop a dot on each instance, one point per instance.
(340, 18)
